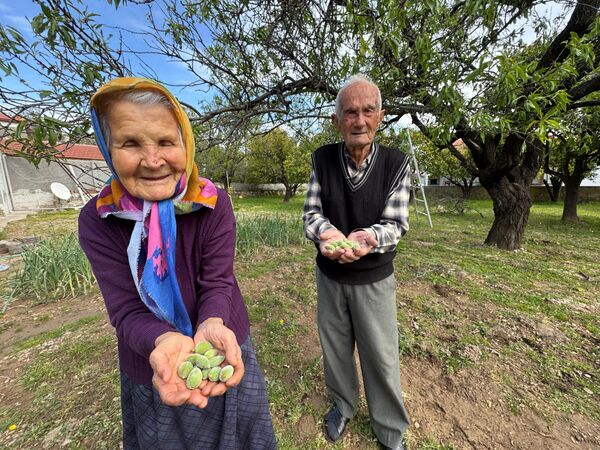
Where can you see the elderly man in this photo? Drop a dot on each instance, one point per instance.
(359, 192)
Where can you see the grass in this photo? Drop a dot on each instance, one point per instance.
(56, 268)
(69, 391)
(267, 204)
(470, 309)
(554, 279)
(44, 224)
(49, 335)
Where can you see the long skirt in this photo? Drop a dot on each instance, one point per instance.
(239, 419)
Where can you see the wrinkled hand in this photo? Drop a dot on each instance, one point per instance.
(169, 352)
(327, 237)
(223, 339)
(365, 240)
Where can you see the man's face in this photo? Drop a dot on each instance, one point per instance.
(146, 149)
(360, 116)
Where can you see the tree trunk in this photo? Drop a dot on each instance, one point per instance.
(571, 197)
(288, 194)
(506, 173)
(553, 188)
(465, 188)
(512, 202)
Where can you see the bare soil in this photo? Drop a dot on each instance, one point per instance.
(467, 409)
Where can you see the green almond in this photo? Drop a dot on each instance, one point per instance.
(184, 369)
(213, 374)
(202, 362)
(192, 358)
(216, 360)
(226, 372)
(194, 378)
(211, 352)
(202, 347)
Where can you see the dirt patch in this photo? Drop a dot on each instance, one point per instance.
(22, 321)
(469, 411)
(471, 408)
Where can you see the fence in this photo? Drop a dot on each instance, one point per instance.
(538, 193)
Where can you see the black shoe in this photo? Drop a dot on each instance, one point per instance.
(398, 447)
(334, 424)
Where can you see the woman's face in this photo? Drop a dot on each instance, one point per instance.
(146, 149)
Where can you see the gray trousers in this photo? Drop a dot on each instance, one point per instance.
(364, 314)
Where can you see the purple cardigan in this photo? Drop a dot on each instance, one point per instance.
(204, 266)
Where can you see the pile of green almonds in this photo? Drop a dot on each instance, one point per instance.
(342, 243)
(204, 364)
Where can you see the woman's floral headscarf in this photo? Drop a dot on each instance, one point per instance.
(151, 250)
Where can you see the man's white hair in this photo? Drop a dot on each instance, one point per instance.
(355, 79)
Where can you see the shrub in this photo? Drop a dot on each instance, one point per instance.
(53, 269)
(274, 230)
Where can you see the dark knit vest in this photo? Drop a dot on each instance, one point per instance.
(349, 207)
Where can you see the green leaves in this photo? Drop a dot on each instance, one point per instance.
(52, 269)
(276, 158)
(8, 68)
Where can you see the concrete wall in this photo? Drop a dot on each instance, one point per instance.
(260, 189)
(30, 185)
(538, 193)
(592, 181)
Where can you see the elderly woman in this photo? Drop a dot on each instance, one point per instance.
(160, 241)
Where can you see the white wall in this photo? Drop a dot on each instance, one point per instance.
(594, 181)
(29, 185)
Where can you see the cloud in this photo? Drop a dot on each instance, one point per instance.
(21, 23)
(136, 25)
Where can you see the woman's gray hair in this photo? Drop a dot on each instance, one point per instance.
(139, 97)
(355, 79)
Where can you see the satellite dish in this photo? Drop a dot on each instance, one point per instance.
(61, 191)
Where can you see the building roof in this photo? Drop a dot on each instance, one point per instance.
(80, 151)
(67, 151)
(8, 119)
(458, 143)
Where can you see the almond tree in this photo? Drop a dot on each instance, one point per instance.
(574, 156)
(276, 158)
(460, 68)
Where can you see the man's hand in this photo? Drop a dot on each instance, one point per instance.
(366, 242)
(223, 339)
(170, 350)
(327, 237)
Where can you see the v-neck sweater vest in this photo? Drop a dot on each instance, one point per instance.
(350, 206)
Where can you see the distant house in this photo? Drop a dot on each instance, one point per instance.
(593, 181)
(25, 187)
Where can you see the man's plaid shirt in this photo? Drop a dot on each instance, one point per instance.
(394, 219)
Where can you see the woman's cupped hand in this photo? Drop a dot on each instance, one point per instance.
(170, 350)
(222, 338)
